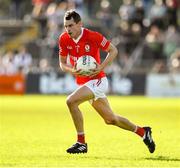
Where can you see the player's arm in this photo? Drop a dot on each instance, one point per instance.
(63, 52)
(67, 68)
(112, 53)
(63, 64)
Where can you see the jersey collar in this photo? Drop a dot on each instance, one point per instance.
(77, 40)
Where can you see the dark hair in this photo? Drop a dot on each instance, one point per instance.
(72, 14)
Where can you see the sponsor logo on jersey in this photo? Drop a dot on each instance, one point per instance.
(69, 47)
(74, 58)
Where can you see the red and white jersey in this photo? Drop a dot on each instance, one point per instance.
(88, 43)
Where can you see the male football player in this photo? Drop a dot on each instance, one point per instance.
(75, 42)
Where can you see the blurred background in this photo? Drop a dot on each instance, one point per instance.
(146, 33)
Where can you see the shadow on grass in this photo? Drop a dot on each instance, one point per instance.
(104, 157)
(68, 160)
(162, 158)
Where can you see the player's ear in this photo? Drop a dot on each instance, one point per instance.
(80, 23)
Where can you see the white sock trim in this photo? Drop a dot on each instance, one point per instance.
(135, 130)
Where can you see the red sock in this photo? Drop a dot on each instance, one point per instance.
(81, 138)
(140, 131)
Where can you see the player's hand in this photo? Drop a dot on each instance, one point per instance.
(95, 71)
(78, 72)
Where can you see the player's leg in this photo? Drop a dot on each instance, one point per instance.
(102, 106)
(79, 96)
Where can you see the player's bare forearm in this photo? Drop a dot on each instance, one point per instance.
(67, 68)
(63, 65)
(112, 53)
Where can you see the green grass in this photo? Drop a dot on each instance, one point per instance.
(36, 130)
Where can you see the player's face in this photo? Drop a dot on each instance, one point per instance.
(72, 28)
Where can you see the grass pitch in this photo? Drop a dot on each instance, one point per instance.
(35, 131)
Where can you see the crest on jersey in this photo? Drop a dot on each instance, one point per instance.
(87, 47)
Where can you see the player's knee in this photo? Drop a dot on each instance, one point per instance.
(70, 101)
(111, 120)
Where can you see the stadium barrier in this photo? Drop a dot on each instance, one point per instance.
(154, 85)
(12, 84)
(163, 85)
(56, 83)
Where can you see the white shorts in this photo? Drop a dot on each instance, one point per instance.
(98, 86)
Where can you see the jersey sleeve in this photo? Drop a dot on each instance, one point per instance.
(102, 42)
(63, 51)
